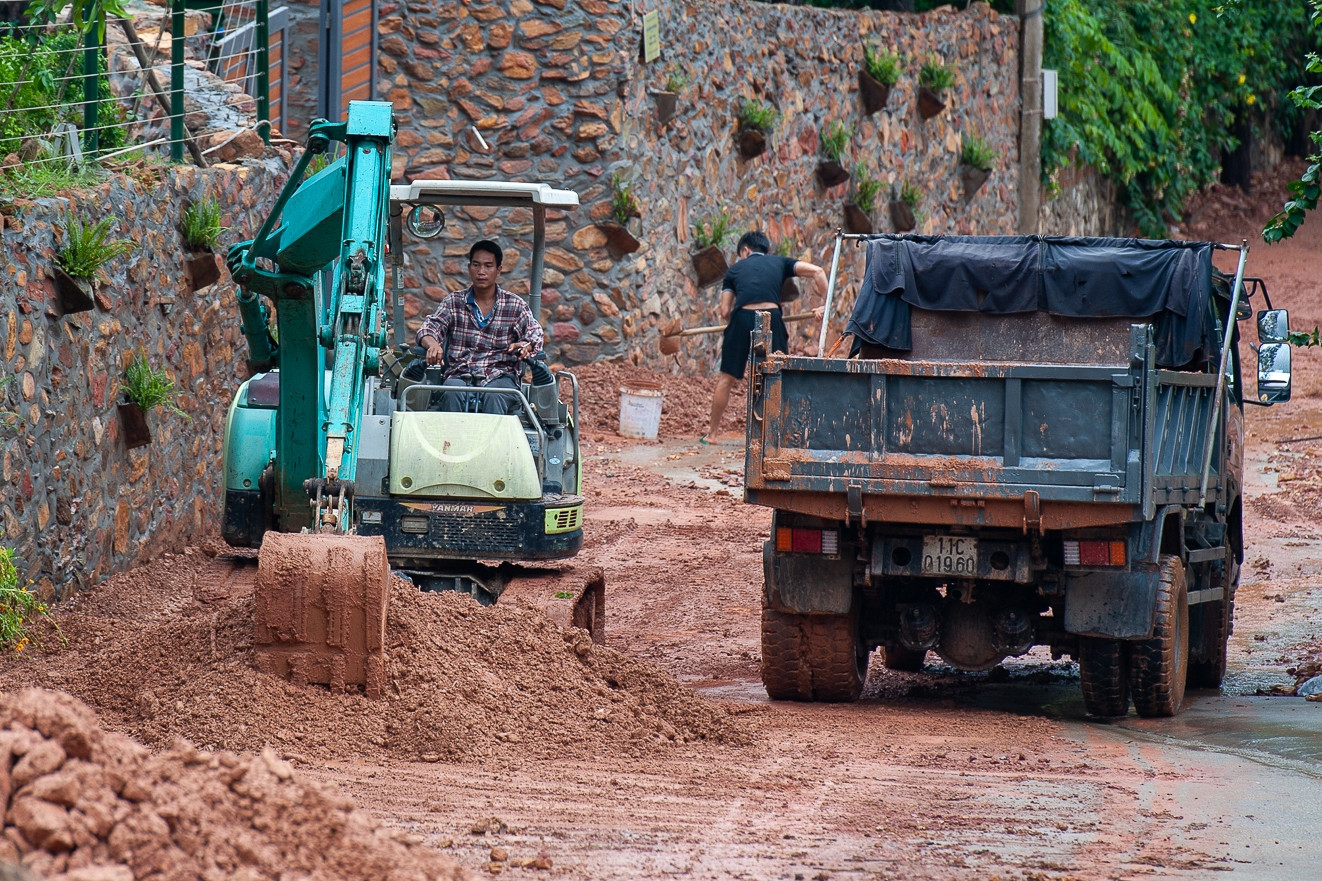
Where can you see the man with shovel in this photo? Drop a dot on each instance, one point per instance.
(753, 285)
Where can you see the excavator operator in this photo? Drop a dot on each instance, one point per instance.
(481, 335)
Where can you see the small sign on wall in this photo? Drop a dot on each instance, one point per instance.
(1049, 84)
(651, 36)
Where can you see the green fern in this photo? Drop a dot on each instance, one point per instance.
(90, 248)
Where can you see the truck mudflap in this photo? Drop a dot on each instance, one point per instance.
(1114, 605)
(808, 584)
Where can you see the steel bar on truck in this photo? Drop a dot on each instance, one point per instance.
(830, 292)
(1231, 319)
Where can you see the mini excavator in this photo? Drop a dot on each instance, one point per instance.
(339, 464)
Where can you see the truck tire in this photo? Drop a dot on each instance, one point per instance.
(897, 657)
(1104, 675)
(1159, 665)
(1209, 629)
(812, 657)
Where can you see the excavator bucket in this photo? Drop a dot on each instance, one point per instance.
(321, 610)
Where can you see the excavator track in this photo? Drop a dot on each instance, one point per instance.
(321, 610)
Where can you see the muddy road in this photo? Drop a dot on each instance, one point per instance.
(512, 748)
(932, 775)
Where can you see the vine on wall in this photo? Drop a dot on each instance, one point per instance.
(1150, 90)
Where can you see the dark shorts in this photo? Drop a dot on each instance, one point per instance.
(739, 339)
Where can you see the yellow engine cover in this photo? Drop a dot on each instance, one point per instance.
(466, 455)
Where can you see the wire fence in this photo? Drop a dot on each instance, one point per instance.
(69, 95)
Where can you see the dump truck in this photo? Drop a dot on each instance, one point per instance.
(1035, 441)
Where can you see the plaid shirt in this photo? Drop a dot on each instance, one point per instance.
(471, 348)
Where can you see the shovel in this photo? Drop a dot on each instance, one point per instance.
(671, 333)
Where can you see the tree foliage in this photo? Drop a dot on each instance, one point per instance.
(1150, 90)
(1303, 192)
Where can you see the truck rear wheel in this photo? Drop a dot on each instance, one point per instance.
(812, 657)
(1159, 665)
(1104, 675)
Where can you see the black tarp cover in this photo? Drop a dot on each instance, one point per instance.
(1166, 281)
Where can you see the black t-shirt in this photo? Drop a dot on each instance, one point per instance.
(758, 278)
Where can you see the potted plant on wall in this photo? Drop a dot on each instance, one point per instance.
(756, 120)
(144, 388)
(708, 238)
(667, 99)
(933, 79)
(88, 249)
(881, 70)
(976, 159)
(624, 211)
(835, 138)
(202, 229)
(858, 211)
(903, 207)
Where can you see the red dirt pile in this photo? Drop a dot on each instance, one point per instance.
(84, 804)
(685, 405)
(464, 682)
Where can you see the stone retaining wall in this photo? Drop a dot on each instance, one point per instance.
(556, 92)
(75, 504)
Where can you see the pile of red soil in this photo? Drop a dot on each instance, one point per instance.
(166, 651)
(685, 405)
(84, 804)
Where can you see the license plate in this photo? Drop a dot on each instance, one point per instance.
(950, 555)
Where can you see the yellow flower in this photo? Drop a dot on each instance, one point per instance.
(1193, 18)
(1251, 99)
(1241, 79)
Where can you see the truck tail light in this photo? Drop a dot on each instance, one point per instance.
(807, 541)
(1095, 553)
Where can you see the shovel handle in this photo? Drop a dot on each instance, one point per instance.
(717, 328)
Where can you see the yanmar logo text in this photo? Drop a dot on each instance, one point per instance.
(459, 509)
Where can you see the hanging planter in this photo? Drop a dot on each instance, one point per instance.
(874, 94)
(834, 141)
(976, 160)
(666, 103)
(133, 422)
(831, 173)
(200, 269)
(710, 265)
(618, 237)
(756, 119)
(75, 293)
(902, 216)
(752, 143)
(933, 79)
(881, 70)
(972, 179)
(857, 220)
(929, 102)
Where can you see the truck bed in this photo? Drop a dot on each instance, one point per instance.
(979, 442)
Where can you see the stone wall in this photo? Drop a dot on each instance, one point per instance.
(75, 504)
(1086, 204)
(556, 92)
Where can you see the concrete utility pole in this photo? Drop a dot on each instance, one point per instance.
(1030, 116)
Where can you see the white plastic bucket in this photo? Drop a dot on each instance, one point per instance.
(640, 411)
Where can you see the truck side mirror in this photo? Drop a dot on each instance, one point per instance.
(1273, 371)
(1274, 326)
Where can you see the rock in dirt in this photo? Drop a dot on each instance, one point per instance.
(1310, 687)
(92, 805)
